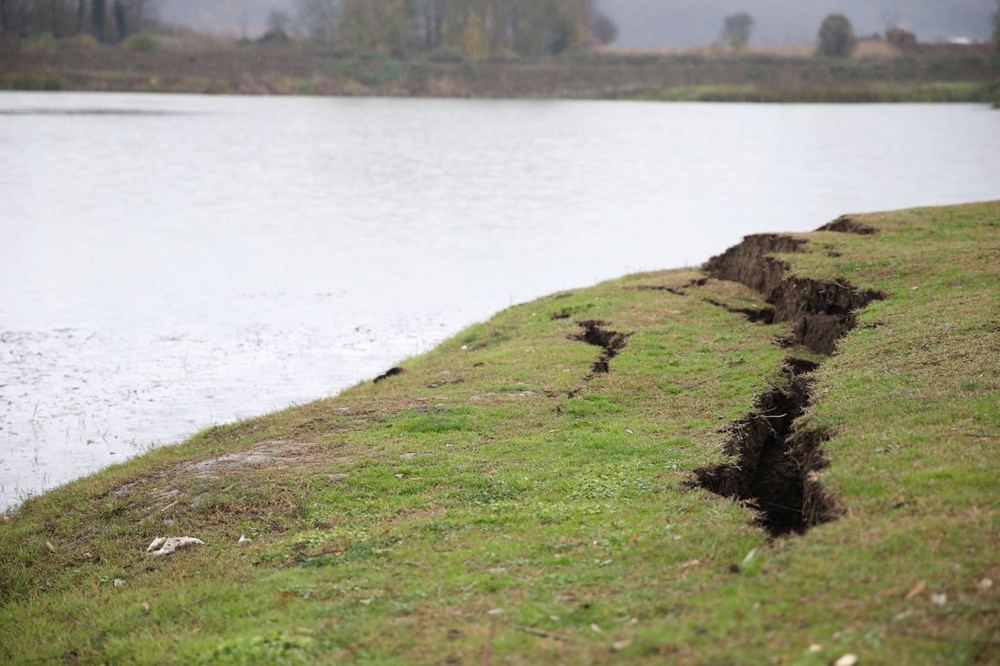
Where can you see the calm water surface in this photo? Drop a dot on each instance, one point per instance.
(172, 262)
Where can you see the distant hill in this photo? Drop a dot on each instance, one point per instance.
(652, 23)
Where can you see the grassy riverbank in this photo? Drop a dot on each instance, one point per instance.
(300, 69)
(529, 491)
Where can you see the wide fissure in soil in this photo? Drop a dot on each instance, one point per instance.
(774, 460)
(820, 312)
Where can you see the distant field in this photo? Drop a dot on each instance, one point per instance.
(787, 74)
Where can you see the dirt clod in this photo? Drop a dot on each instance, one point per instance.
(391, 372)
(849, 225)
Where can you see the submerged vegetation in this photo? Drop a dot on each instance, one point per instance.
(536, 490)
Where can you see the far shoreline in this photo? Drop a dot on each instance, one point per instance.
(960, 76)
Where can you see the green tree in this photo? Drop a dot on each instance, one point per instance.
(996, 63)
(996, 28)
(319, 18)
(554, 26)
(474, 38)
(602, 27)
(836, 37)
(98, 15)
(736, 30)
(121, 19)
(357, 28)
(473, 29)
(396, 26)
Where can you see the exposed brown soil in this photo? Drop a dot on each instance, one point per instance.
(820, 312)
(391, 372)
(848, 225)
(612, 342)
(776, 459)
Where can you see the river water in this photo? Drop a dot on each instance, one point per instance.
(171, 262)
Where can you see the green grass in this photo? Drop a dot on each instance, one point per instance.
(33, 82)
(471, 501)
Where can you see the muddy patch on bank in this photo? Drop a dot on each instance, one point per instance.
(775, 459)
(276, 454)
(186, 480)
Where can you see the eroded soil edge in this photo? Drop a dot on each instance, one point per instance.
(775, 456)
(820, 311)
(775, 460)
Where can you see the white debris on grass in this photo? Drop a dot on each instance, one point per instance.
(167, 545)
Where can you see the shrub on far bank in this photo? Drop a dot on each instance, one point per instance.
(44, 43)
(82, 42)
(996, 28)
(35, 82)
(141, 41)
(836, 37)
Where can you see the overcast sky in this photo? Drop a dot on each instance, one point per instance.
(698, 22)
(680, 22)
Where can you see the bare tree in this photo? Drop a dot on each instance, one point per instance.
(319, 18)
(278, 21)
(891, 18)
(736, 30)
(602, 27)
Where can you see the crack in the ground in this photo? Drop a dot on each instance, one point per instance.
(776, 459)
(776, 456)
(677, 289)
(754, 315)
(612, 342)
(820, 311)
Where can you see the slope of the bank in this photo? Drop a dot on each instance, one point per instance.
(537, 490)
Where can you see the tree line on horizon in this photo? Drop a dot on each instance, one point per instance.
(104, 20)
(472, 29)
